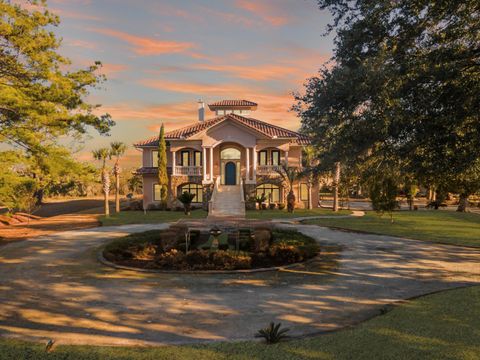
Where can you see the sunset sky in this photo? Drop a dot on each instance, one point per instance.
(160, 57)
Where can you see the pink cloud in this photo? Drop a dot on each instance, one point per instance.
(111, 70)
(263, 10)
(253, 72)
(147, 45)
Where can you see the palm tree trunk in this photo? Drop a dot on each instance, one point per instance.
(117, 187)
(310, 196)
(336, 182)
(106, 190)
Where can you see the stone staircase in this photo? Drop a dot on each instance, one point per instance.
(227, 202)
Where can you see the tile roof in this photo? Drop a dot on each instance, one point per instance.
(269, 130)
(232, 103)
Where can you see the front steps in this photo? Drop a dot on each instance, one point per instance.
(227, 202)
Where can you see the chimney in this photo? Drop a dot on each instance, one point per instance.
(201, 110)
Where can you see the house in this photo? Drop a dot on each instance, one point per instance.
(226, 161)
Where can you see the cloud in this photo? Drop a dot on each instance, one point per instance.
(196, 88)
(251, 72)
(111, 70)
(265, 11)
(82, 43)
(146, 45)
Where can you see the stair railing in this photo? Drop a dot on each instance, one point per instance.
(214, 195)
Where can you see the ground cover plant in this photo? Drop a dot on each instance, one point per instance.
(176, 249)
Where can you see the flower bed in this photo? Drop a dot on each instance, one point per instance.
(166, 250)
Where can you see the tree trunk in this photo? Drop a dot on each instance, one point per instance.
(310, 196)
(463, 202)
(116, 171)
(336, 182)
(106, 190)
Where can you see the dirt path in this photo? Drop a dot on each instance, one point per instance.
(46, 226)
(54, 287)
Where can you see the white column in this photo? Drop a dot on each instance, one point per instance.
(286, 158)
(211, 164)
(255, 163)
(174, 162)
(248, 164)
(204, 164)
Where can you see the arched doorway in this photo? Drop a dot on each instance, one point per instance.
(230, 166)
(230, 173)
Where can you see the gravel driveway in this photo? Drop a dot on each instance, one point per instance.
(54, 287)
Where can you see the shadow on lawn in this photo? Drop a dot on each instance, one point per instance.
(55, 288)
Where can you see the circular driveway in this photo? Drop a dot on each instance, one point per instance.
(54, 287)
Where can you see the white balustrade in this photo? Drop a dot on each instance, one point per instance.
(188, 170)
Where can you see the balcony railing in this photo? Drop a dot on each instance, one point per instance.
(188, 170)
(268, 169)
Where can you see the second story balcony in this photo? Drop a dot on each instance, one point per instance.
(187, 171)
(271, 170)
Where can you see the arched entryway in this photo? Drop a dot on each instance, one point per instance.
(230, 166)
(230, 173)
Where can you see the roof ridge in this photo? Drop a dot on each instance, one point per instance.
(272, 125)
(195, 124)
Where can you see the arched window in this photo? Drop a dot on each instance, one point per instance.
(230, 154)
(271, 191)
(194, 189)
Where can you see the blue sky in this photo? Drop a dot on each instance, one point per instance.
(160, 57)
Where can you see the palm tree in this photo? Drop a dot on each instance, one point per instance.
(117, 149)
(308, 170)
(290, 175)
(103, 155)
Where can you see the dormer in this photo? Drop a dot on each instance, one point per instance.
(239, 107)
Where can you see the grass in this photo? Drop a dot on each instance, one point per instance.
(439, 326)
(439, 226)
(151, 217)
(284, 214)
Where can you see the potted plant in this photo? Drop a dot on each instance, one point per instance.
(186, 199)
(260, 199)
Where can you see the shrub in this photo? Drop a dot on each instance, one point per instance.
(199, 260)
(172, 259)
(273, 333)
(281, 206)
(230, 261)
(272, 206)
(285, 254)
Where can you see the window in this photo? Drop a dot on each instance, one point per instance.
(185, 159)
(271, 191)
(154, 158)
(262, 158)
(275, 157)
(156, 193)
(194, 189)
(230, 154)
(197, 159)
(303, 192)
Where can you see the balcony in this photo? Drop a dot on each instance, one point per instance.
(268, 169)
(188, 171)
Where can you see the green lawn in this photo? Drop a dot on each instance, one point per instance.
(439, 326)
(151, 217)
(442, 226)
(281, 214)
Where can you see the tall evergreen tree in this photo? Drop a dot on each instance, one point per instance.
(40, 99)
(162, 167)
